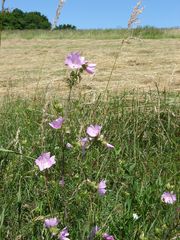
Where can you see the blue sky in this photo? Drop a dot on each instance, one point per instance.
(86, 14)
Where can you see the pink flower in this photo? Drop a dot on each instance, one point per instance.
(83, 142)
(106, 236)
(93, 232)
(102, 187)
(108, 145)
(74, 60)
(56, 124)
(94, 130)
(64, 234)
(61, 182)
(44, 161)
(69, 146)
(90, 68)
(51, 222)
(168, 197)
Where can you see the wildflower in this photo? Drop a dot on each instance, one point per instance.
(69, 146)
(56, 124)
(64, 234)
(135, 216)
(178, 210)
(44, 161)
(74, 60)
(94, 130)
(83, 142)
(90, 68)
(168, 197)
(51, 222)
(93, 233)
(61, 182)
(102, 187)
(106, 236)
(108, 145)
(95, 229)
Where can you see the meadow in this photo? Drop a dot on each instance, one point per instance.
(29, 65)
(111, 185)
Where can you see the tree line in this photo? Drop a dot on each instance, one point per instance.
(17, 19)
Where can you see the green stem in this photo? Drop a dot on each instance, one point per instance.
(11, 151)
(69, 96)
(47, 192)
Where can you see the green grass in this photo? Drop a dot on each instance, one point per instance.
(144, 129)
(146, 33)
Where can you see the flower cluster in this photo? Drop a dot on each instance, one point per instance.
(77, 64)
(52, 223)
(93, 134)
(75, 61)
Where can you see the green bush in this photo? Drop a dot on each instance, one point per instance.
(65, 27)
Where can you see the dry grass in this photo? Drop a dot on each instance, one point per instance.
(58, 12)
(137, 10)
(28, 65)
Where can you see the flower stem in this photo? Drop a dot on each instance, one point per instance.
(63, 156)
(47, 192)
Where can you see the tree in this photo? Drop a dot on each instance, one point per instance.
(17, 19)
(66, 27)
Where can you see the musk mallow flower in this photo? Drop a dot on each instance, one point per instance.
(62, 182)
(45, 161)
(168, 197)
(94, 131)
(102, 187)
(106, 236)
(64, 234)
(75, 61)
(69, 146)
(93, 232)
(51, 222)
(83, 142)
(56, 124)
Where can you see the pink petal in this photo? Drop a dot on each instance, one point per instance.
(44, 161)
(108, 145)
(56, 124)
(90, 68)
(93, 130)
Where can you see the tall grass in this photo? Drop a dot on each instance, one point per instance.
(58, 12)
(144, 129)
(146, 33)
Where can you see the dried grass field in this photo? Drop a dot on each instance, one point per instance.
(28, 65)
